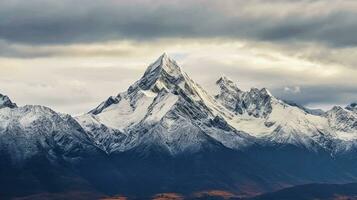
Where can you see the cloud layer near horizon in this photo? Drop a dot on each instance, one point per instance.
(72, 54)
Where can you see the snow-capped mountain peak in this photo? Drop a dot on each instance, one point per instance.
(164, 73)
(264, 116)
(164, 64)
(255, 102)
(6, 102)
(343, 119)
(165, 107)
(266, 92)
(227, 85)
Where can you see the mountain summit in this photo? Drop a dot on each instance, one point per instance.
(164, 73)
(6, 102)
(165, 109)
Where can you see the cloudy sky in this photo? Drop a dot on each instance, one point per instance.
(72, 54)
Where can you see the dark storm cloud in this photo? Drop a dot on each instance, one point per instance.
(335, 30)
(302, 50)
(70, 21)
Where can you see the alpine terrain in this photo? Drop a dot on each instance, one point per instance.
(165, 133)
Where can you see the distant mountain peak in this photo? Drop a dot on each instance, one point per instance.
(352, 106)
(224, 78)
(226, 84)
(6, 102)
(266, 91)
(336, 108)
(343, 119)
(256, 102)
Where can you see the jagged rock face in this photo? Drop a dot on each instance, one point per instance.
(258, 102)
(230, 95)
(272, 120)
(30, 131)
(343, 119)
(254, 102)
(6, 102)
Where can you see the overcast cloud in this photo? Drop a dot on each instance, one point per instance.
(72, 54)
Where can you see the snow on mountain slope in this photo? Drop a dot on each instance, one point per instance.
(37, 130)
(164, 108)
(318, 112)
(343, 121)
(6, 102)
(102, 136)
(262, 115)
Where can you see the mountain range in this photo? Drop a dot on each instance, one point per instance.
(165, 133)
